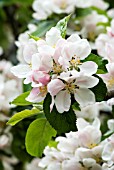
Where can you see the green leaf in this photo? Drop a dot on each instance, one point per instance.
(113, 111)
(62, 25)
(27, 87)
(100, 90)
(53, 144)
(107, 135)
(101, 12)
(75, 106)
(38, 136)
(1, 165)
(64, 122)
(21, 100)
(22, 115)
(18, 2)
(82, 12)
(43, 27)
(99, 61)
(34, 37)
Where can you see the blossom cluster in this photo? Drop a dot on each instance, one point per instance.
(104, 46)
(56, 66)
(81, 150)
(59, 67)
(48, 7)
(10, 86)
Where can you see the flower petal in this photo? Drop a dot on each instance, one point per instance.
(63, 101)
(35, 96)
(87, 81)
(84, 97)
(89, 67)
(21, 70)
(55, 86)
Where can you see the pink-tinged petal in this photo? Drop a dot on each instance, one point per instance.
(40, 77)
(110, 68)
(41, 42)
(55, 86)
(21, 70)
(36, 59)
(29, 50)
(60, 44)
(28, 79)
(86, 81)
(110, 52)
(35, 96)
(63, 101)
(84, 96)
(68, 52)
(89, 67)
(73, 38)
(42, 62)
(64, 63)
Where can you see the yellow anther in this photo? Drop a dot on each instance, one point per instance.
(92, 145)
(91, 36)
(111, 82)
(43, 90)
(57, 69)
(63, 4)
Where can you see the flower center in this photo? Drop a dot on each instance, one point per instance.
(63, 4)
(75, 62)
(111, 82)
(43, 90)
(57, 68)
(71, 87)
(91, 36)
(92, 145)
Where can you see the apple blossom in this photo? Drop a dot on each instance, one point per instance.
(104, 44)
(109, 77)
(23, 40)
(90, 29)
(71, 153)
(33, 165)
(97, 3)
(76, 83)
(46, 8)
(8, 86)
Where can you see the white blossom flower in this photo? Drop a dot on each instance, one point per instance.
(10, 86)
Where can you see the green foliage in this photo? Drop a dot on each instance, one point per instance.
(22, 115)
(64, 122)
(99, 61)
(53, 144)
(34, 37)
(21, 100)
(100, 11)
(108, 134)
(75, 106)
(82, 12)
(18, 144)
(62, 25)
(43, 27)
(38, 136)
(113, 111)
(19, 2)
(1, 166)
(100, 90)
